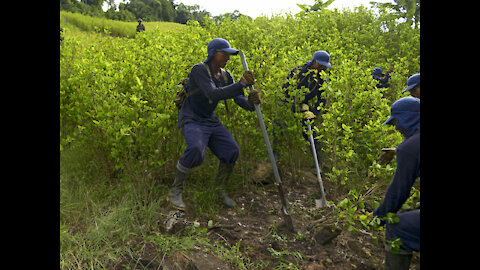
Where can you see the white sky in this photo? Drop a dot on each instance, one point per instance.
(255, 8)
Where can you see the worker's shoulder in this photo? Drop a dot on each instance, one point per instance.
(198, 68)
(410, 145)
(203, 67)
(300, 68)
(198, 65)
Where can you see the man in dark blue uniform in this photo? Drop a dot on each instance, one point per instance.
(382, 79)
(306, 75)
(200, 126)
(405, 115)
(413, 85)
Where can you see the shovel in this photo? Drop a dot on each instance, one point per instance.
(286, 216)
(318, 203)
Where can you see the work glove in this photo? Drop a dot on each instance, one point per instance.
(253, 98)
(247, 78)
(386, 156)
(306, 113)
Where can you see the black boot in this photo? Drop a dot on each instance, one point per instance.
(397, 260)
(175, 194)
(221, 181)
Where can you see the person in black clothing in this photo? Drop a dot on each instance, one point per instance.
(405, 115)
(140, 26)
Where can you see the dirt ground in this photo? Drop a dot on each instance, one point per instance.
(257, 224)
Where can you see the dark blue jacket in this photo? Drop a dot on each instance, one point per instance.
(309, 82)
(382, 81)
(199, 107)
(408, 170)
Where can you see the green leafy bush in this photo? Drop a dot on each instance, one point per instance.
(116, 94)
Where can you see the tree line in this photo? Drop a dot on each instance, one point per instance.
(147, 10)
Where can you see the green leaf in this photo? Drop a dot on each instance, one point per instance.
(344, 203)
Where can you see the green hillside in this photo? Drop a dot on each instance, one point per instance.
(112, 27)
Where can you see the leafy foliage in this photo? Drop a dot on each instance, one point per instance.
(116, 94)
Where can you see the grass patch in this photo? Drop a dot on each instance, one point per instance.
(101, 219)
(104, 220)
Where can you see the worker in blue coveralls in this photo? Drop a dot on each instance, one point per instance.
(200, 126)
(405, 116)
(307, 75)
(413, 85)
(382, 79)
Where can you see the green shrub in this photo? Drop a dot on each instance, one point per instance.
(116, 94)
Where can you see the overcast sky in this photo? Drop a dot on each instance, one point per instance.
(255, 8)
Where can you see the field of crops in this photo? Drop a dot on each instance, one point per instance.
(113, 27)
(119, 140)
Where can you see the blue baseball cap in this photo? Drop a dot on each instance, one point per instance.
(377, 71)
(219, 44)
(402, 107)
(323, 58)
(413, 81)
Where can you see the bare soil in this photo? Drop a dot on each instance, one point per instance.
(256, 224)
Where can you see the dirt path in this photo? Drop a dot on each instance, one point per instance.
(257, 227)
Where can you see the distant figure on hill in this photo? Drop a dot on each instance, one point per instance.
(140, 26)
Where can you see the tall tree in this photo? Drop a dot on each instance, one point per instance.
(407, 9)
(234, 15)
(96, 3)
(186, 12)
(151, 10)
(87, 7)
(319, 5)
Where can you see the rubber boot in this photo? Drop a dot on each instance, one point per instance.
(397, 260)
(221, 181)
(175, 194)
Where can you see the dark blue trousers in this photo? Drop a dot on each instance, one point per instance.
(407, 229)
(217, 138)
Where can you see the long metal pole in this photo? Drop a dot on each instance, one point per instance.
(288, 218)
(323, 202)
